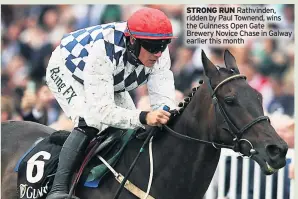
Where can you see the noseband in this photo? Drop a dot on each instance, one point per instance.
(231, 127)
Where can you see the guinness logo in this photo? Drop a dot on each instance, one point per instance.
(23, 188)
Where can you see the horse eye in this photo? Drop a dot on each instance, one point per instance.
(230, 100)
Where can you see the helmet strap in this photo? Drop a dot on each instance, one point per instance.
(134, 50)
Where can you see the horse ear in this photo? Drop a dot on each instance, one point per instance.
(209, 68)
(230, 60)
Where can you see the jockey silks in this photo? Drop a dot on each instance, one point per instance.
(89, 74)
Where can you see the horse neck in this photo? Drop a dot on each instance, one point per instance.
(187, 160)
(198, 118)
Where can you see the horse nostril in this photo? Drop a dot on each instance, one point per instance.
(273, 151)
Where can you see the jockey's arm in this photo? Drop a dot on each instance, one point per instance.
(99, 91)
(161, 88)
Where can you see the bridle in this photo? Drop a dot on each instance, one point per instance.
(236, 132)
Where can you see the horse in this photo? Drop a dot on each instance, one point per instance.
(224, 111)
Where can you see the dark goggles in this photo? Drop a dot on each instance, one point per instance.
(154, 46)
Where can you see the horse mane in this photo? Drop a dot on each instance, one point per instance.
(183, 104)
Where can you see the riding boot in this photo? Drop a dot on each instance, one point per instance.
(71, 155)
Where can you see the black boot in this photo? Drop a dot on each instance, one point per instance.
(71, 153)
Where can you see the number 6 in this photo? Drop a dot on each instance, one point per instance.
(39, 166)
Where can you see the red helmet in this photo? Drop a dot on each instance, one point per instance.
(149, 23)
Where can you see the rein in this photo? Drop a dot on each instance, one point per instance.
(237, 134)
(188, 138)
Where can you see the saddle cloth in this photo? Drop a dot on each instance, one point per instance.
(36, 169)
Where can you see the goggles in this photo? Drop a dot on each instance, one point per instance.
(154, 46)
(151, 45)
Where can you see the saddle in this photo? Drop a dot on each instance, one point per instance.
(36, 169)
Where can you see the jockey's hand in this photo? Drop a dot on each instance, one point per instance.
(157, 117)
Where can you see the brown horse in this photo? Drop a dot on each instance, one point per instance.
(223, 112)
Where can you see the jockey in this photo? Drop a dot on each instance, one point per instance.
(91, 72)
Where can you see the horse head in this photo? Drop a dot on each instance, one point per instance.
(238, 116)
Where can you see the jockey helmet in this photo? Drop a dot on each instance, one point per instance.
(151, 29)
